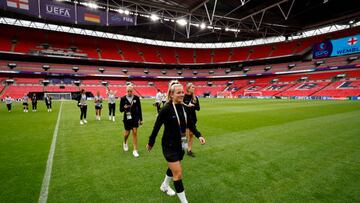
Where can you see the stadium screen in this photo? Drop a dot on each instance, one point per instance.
(338, 47)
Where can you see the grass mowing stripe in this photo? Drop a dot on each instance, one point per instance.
(46, 181)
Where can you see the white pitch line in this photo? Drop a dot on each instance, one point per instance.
(47, 176)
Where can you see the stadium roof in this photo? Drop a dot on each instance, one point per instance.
(238, 19)
(225, 20)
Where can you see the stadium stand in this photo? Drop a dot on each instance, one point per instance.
(305, 89)
(186, 56)
(203, 55)
(342, 88)
(130, 51)
(221, 55)
(318, 83)
(106, 49)
(18, 91)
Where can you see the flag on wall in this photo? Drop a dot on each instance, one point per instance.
(92, 18)
(21, 4)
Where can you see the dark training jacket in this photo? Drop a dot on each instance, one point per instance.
(192, 110)
(171, 137)
(135, 108)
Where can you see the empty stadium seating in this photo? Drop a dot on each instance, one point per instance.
(304, 89)
(106, 49)
(316, 84)
(19, 91)
(342, 88)
(221, 55)
(28, 76)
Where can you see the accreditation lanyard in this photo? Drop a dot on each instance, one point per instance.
(128, 113)
(98, 100)
(132, 100)
(83, 99)
(178, 118)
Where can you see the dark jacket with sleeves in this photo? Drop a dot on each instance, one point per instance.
(79, 100)
(171, 137)
(48, 100)
(192, 110)
(34, 99)
(135, 108)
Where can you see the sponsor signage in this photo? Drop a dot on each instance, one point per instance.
(67, 12)
(90, 16)
(116, 19)
(57, 11)
(28, 7)
(338, 47)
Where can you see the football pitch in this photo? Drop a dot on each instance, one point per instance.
(256, 151)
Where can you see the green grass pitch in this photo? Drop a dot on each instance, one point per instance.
(256, 151)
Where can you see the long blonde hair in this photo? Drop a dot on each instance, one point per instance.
(188, 85)
(172, 85)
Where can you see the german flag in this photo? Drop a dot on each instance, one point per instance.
(92, 18)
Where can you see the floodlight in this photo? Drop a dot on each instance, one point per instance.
(92, 5)
(181, 22)
(154, 17)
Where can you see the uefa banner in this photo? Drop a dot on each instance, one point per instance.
(338, 47)
(67, 12)
(89, 16)
(116, 19)
(27, 7)
(58, 11)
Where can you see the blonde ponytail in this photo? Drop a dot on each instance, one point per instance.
(171, 89)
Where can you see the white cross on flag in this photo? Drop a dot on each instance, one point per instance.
(22, 4)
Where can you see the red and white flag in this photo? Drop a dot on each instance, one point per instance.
(22, 4)
(352, 41)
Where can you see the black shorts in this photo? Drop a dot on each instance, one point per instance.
(25, 104)
(98, 107)
(173, 155)
(130, 124)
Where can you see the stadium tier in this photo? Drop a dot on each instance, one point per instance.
(18, 91)
(307, 77)
(323, 83)
(39, 42)
(314, 83)
(304, 89)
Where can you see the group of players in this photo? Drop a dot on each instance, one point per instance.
(25, 102)
(177, 114)
(98, 100)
